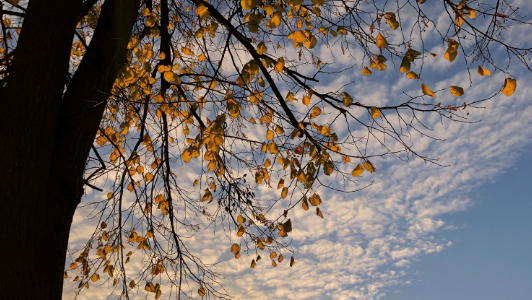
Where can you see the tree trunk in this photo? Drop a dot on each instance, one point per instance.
(47, 136)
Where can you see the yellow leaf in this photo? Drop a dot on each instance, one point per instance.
(472, 14)
(281, 258)
(369, 166)
(281, 183)
(433, 54)
(279, 65)
(357, 171)
(375, 112)
(366, 71)
(274, 264)
(315, 200)
(318, 212)
(235, 249)
(509, 86)
(425, 89)
(109, 195)
(381, 41)
(452, 50)
(483, 72)
(151, 19)
(304, 203)
(253, 264)
(347, 100)
(95, 277)
(241, 230)
(412, 75)
(284, 192)
(73, 266)
(269, 135)
(248, 4)
(261, 48)
(201, 291)
(240, 219)
(274, 21)
(456, 90)
(292, 261)
(202, 11)
(256, 97)
(158, 294)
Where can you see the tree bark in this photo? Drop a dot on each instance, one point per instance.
(47, 136)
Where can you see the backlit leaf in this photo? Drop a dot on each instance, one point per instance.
(456, 91)
(369, 166)
(509, 86)
(358, 170)
(425, 89)
(483, 72)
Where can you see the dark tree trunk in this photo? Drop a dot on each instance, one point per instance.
(47, 135)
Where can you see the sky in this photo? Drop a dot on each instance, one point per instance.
(420, 231)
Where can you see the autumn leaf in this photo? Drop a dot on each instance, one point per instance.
(357, 171)
(483, 72)
(456, 91)
(425, 89)
(509, 86)
(369, 166)
(201, 291)
(381, 41)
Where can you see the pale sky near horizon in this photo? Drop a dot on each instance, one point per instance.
(420, 231)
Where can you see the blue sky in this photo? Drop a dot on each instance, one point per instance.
(490, 258)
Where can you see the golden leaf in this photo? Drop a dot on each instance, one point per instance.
(452, 50)
(347, 100)
(375, 112)
(318, 212)
(281, 183)
(279, 65)
(366, 71)
(269, 135)
(240, 219)
(248, 4)
(425, 89)
(201, 291)
(381, 41)
(253, 264)
(274, 264)
(284, 192)
(369, 166)
(292, 261)
(241, 231)
(235, 249)
(412, 75)
(315, 200)
(456, 90)
(509, 86)
(357, 171)
(95, 277)
(483, 72)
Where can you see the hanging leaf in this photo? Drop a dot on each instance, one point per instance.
(452, 50)
(483, 72)
(248, 4)
(304, 203)
(381, 42)
(347, 100)
(375, 112)
(456, 91)
(357, 171)
(318, 212)
(366, 71)
(201, 291)
(292, 261)
(369, 166)
(425, 89)
(509, 86)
